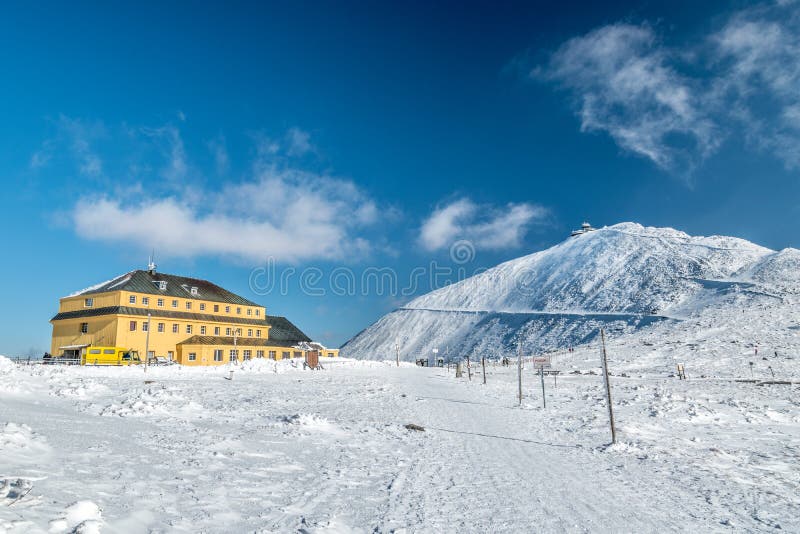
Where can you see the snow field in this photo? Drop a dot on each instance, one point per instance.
(280, 449)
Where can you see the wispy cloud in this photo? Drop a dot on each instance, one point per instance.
(758, 51)
(486, 226)
(76, 136)
(298, 142)
(285, 214)
(219, 151)
(624, 84)
(171, 144)
(675, 105)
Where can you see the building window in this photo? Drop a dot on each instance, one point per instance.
(285, 354)
(227, 309)
(188, 329)
(145, 326)
(160, 303)
(145, 301)
(238, 311)
(202, 330)
(249, 332)
(330, 355)
(162, 285)
(216, 330)
(259, 354)
(227, 331)
(160, 327)
(202, 306)
(188, 304)
(133, 326)
(174, 303)
(298, 354)
(258, 312)
(217, 355)
(216, 307)
(193, 291)
(175, 328)
(132, 299)
(88, 303)
(84, 328)
(249, 311)
(234, 354)
(247, 354)
(272, 355)
(258, 333)
(192, 356)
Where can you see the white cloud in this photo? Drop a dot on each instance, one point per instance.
(624, 84)
(676, 105)
(758, 52)
(289, 215)
(298, 142)
(488, 227)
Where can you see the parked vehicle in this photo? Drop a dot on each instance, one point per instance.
(110, 356)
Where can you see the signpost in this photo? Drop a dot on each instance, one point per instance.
(541, 362)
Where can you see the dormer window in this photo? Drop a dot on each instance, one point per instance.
(193, 291)
(161, 284)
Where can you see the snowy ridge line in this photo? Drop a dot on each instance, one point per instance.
(578, 313)
(687, 240)
(748, 286)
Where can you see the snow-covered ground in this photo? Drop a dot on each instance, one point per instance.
(280, 449)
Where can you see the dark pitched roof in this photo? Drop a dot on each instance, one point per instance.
(158, 313)
(240, 342)
(177, 286)
(282, 329)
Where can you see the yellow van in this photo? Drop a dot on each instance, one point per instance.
(109, 356)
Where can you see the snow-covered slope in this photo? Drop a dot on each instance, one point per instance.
(622, 277)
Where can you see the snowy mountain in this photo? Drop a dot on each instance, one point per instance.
(623, 277)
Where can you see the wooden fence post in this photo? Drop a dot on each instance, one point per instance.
(608, 387)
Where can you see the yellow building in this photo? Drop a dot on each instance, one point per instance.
(191, 321)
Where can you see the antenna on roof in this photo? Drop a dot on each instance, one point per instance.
(151, 263)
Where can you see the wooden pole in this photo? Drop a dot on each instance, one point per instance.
(519, 370)
(483, 364)
(608, 387)
(397, 352)
(541, 376)
(469, 369)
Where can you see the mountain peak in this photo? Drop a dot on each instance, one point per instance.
(625, 273)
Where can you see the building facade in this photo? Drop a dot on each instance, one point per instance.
(191, 321)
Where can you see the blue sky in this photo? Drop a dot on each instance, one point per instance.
(322, 140)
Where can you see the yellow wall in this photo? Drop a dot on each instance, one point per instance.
(205, 353)
(115, 330)
(102, 331)
(122, 298)
(164, 342)
(101, 300)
